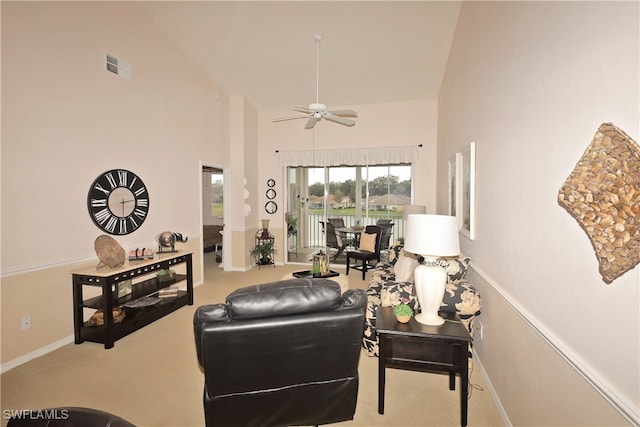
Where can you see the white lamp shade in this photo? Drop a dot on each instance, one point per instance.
(432, 235)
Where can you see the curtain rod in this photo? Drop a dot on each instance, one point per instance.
(395, 146)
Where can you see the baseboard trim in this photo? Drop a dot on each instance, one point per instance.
(36, 353)
(477, 362)
(601, 386)
(48, 348)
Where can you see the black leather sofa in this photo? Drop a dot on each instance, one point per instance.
(280, 354)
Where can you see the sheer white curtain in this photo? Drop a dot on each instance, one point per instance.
(350, 157)
(358, 157)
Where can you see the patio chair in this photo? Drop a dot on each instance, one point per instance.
(387, 230)
(339, 223)
(334, 241)
(368, 254)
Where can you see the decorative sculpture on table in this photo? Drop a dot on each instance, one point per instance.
(320, 264)
(603, 194)
(167, 240)
(109, 252)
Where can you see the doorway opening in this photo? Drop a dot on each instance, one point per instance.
(213, 214)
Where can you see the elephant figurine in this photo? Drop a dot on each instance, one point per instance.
(168, 239)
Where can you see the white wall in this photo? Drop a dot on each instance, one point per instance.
(65, 120)
(244, 181)
(530, 83)
(377, 125)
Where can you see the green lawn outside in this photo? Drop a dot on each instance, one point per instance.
(216, 210)
(352, 212)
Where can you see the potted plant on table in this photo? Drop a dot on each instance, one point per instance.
(165, 275)
(403, 312)
(263, 252)
(315, 271)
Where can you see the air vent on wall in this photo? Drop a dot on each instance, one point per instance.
(117, 66)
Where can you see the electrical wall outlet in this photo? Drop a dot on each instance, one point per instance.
(26, 322)
(479, 329)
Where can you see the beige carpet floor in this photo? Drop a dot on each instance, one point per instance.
(152, 377)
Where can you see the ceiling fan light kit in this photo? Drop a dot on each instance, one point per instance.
(316, 111)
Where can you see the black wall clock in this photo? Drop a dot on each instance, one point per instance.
(118, 202)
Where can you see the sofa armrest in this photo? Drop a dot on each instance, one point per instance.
(383, 272)
(461, 298)
(353, 298)
(204, 315)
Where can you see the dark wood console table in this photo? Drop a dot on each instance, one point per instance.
(417, 347)
(147, 285)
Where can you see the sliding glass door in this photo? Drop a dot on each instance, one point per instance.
(346, 196)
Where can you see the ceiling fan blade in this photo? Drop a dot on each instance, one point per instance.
(281, 119)
(344, 113)
(301, 108)
(312, 122)
(317, 111)
(342, 121)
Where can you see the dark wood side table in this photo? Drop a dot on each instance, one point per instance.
(106, 280)
(417, 347)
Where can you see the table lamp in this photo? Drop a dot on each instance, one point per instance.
(432, 236)
(411, 210)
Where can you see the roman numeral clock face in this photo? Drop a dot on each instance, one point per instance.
(118, 202)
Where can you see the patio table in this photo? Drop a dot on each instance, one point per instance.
(356, 234)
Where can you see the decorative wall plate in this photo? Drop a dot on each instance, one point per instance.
(271, 207)
(271, 194)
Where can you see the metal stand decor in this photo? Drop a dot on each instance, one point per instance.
(167, 241)
(265, 249)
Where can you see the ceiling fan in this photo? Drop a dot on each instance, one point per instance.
(317, 111)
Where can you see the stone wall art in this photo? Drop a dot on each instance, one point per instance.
(603, 194)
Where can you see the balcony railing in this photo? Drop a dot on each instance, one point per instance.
(315, 235)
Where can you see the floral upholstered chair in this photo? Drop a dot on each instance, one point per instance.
(392, 284)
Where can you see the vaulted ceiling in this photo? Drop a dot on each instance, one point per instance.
(371, 52)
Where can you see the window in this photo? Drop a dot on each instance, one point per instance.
(353, 193)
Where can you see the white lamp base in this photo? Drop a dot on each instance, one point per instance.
(427, 319)
(430, 282)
